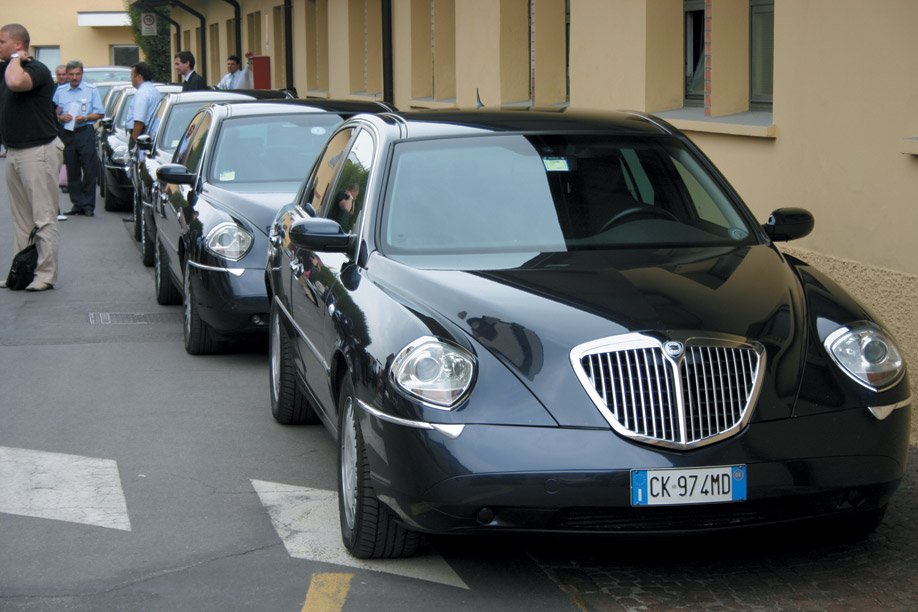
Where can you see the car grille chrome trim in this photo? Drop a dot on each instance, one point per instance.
(450, 430)
(671, 397)
(881, 412)
(233, 271)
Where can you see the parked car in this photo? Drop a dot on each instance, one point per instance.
(158, 145)
(109, 101)
(114, 152)
(571, 323)
(96, 74)
(236, 165)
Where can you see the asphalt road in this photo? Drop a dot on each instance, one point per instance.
(134, 476)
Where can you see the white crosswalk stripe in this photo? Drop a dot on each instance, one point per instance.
(307, 522)
(62, 487)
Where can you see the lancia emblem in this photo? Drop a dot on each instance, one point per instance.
(674, 349)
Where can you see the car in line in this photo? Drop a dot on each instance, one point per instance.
(98, 74)
(157, 145)
(114, 149)
(234, 167)
(569, 322)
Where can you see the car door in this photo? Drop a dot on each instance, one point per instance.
(312, 279)
(177, 211)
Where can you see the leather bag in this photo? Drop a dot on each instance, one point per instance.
(22, 270)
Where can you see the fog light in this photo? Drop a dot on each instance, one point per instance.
(258, 319)
(485, 516)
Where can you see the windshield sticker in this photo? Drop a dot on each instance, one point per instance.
(318, 131)
(228, 175)
(555, 164)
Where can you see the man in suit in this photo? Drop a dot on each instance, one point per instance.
(184, 65)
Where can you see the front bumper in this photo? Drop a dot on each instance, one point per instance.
(511, 478)
(232, 301)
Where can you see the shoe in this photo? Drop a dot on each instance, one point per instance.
(88, 213)
(62, 217)
(2, 284)
(39, 286)
(74, 211)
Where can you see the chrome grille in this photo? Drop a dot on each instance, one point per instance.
(687, 400)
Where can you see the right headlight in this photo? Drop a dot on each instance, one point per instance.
(867, 354)
(436, 372)
(229, 241)
(121, 155)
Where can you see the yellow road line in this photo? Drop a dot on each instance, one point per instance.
(327, 592)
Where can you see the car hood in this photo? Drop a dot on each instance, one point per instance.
(532, 316)
(254, 202)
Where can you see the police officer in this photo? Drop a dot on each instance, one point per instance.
(79, 106)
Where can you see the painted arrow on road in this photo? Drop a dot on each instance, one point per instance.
(307, 522)
(62, 487)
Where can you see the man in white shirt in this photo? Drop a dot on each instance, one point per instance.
(239, 76)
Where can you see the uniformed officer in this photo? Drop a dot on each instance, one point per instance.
(79, 106)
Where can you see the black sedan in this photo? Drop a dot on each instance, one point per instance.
(114, 153)
(234, 168)
(156, 147)
(571, 323)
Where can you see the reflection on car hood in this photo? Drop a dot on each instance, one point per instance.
(257, 203)
(533, 315)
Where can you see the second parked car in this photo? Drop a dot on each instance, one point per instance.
(235, 167)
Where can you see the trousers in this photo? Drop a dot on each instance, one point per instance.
(31, 177)
(81, 159)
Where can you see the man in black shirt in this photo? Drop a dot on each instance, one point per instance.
(29, 130)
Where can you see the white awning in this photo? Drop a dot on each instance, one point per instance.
(104, 19)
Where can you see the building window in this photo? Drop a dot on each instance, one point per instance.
(125, 55)
(214, 60)
(534, 53)
(694, 52)
(49, 56)
(761, 52)
(365, 47)
(231, 38)
(280, 47)
(317, 47)
(253, 32)
(433, 50)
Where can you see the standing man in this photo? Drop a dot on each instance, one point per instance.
(60, 73)
(237, 76)
(184, 65)
(79, 106)
(30, 132)
(143, 106)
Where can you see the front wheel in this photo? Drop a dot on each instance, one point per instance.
(289, 405)
(200, 338)
(369, 530)
(138, 211)
(147, 244)
(166, 293)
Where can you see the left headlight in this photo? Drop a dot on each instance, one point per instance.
(434, 371)
(867, 354)
(229, 241)
(121, 155)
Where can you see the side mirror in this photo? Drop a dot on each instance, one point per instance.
(789, 224)
(106, 123)
(319, 234)
(176, 174)
(145, 142)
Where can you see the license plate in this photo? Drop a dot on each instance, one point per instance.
(688, 486)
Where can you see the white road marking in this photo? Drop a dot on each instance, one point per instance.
(307, 522)
(62, 487)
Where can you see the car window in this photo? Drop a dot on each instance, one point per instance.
(327, 168)
(269, 148)
(552, 193)
(121, 120)
(92, 75)
(349, 193)
(190, 149)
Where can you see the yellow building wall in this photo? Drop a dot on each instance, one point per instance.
(53, 23)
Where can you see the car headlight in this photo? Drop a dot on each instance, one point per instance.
(121, 155)
(229, 241)
(434, 371)
(866, 354)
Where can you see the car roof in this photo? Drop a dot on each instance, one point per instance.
(433, 123)
(216, 95)
(344, 107)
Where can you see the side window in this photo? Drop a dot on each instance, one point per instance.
(327, 168)
(191, 147)
(349, 195)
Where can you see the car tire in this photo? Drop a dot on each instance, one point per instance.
(166, 293)
(200, 338)
(289, 405)
(369, 530)
(138, 211)
(112, 203)
(147, 244)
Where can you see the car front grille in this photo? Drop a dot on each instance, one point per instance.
(674, 394)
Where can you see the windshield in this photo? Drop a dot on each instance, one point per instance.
(93, 75)
(271, 148)
(176, 124)
(553, 193)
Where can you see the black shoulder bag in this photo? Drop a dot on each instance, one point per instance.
(22, 271)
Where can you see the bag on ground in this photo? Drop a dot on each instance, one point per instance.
(22, 271)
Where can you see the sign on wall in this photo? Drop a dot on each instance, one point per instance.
(148, 24)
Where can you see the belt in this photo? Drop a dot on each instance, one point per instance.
(83, 127)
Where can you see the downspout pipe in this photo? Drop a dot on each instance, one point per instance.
(288, 47)
(388, 93)
(237, 17)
